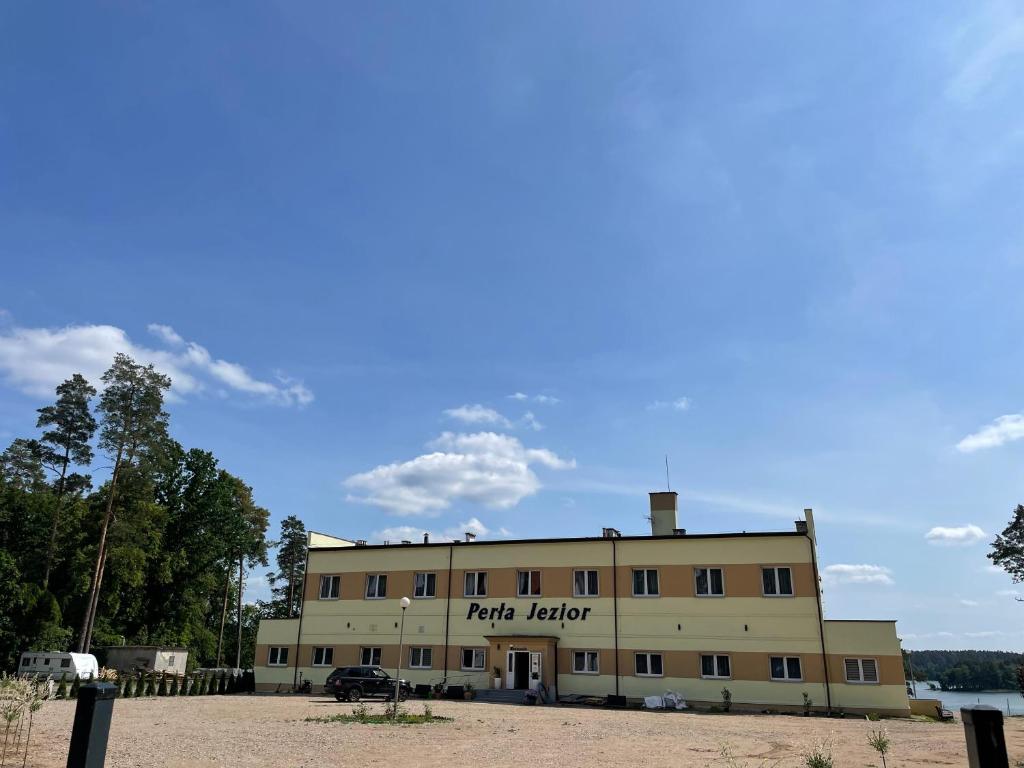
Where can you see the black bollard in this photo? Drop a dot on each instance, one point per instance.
(986, 745)
(89, 733)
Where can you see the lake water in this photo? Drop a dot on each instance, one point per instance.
(953, 700)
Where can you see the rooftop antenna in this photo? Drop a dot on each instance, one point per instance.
(668, 484)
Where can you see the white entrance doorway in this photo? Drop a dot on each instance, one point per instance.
(524, 669)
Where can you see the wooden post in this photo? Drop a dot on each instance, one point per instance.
(986, 745)
(88, 748)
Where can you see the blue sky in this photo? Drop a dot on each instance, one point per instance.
(462, 265)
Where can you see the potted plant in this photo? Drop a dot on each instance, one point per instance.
(497, 678)
(468, 692)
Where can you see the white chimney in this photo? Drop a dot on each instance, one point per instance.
(664, 505)
(470, 536)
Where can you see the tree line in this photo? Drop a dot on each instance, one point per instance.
(966, 670)
(155, 554)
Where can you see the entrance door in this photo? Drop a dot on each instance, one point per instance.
(519, 670)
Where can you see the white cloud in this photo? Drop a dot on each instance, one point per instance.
(1009, 593)
(843, 573)
(679, 404)
(36, 360)
(970, 603)
(996, 41)
(1005, 429)
(398, 533)
(530, 421)
(477, 414)
(542, 399)
(963, 535)
(483, 468)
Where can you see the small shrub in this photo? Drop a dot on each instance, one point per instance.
(808, 703)
(428, 713)
(874, 717)
(62, 689)
(172, 690)
(129, 687)
(819, 755)
(726, 699)
(75, 685)
(879, 741)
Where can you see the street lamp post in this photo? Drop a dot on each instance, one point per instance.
(404, 602)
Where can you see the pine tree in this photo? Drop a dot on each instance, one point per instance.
(287, 584)
(133, 423)
(65, 442)
(21, 465)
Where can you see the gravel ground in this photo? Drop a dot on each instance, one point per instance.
(270, 731)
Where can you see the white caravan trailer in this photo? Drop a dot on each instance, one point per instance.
(54, 664)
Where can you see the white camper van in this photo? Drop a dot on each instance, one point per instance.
(54, 664)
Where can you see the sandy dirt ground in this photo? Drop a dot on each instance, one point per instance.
(262, 731)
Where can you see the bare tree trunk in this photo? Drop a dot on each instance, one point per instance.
(85, 636)
(56, 518)
(291, 590)
(241, 583)
(224, 613)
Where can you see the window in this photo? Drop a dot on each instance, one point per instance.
(648, 664)
(785, 667)
(369, 657)
(584, 583)
(65, 663)
(25, 662)
(277, 656)
(170, 661)
(474, 658)
(778, 582)
(645, 582)
(861, 670)
(330, 587)
(714, 665)
(323, 657)
(709, 582)
(376, 586)
(476, 584)
(584, 662)
(425, 585)
(420, 658)
(529, 583)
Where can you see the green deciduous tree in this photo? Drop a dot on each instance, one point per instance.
(1008, 548)
(68, 427)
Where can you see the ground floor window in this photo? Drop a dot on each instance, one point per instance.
(585, 662)
(420, 658)
(861, 670)
(474, 658)
(369, 657)
(277, 656)
(714, 665)
(648, 664)
(323, 657)
(785, 667)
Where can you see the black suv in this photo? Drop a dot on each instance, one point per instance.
(352, 683)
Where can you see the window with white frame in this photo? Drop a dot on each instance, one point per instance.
(861, 670)
(645, 582)
(709, 582)
(648, 664)
(323, 657)
(474, 658)
(330, 587)
(369, 657)
(585, 662)
(277, 656)
(785, 668)
(777, 581)
(528, 583)
(376, 585)
(585, 583)
(476, 584)
(715, 665)
(425, 585)
(420, 658)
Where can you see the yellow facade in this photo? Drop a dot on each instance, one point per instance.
(594, 644)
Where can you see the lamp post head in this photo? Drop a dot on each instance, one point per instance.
(404, 602)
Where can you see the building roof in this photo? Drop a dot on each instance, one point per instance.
(564, 540)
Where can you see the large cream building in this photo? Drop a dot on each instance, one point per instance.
(623, 615)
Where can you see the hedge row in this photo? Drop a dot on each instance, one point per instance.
(131, 686)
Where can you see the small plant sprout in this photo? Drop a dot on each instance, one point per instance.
(808, 703)
(726, 699)
(820, 754)
(879, 741)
